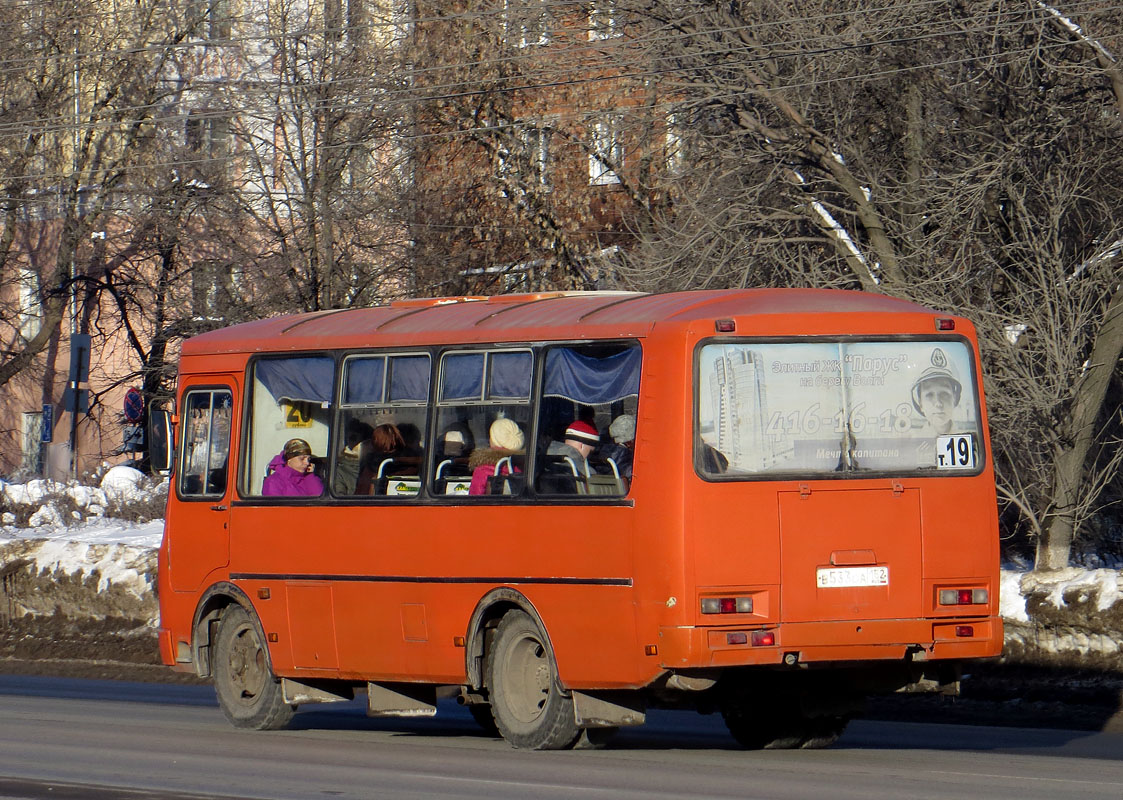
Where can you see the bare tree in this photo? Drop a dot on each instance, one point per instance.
(308, 187)
(87, 108)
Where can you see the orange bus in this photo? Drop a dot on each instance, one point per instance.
(567, 508)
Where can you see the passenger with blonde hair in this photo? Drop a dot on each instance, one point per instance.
(505, 439)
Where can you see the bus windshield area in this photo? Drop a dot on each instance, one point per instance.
(829, 407)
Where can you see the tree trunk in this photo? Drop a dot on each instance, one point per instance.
(1055, 545)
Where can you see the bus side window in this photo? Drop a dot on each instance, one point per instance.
(206, 443)
(483, 416)
(291, 399)
(381, 426)
(587, 419)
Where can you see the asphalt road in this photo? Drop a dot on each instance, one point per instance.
(108, 740)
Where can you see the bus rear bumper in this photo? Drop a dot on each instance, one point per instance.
(852, 640)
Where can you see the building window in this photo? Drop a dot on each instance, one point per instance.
(214, 286)
(524, 154)
(30, 303)
(527, 22)
(208, 133)
(674, 146)
(210, 19)
(606, 153)
(604, 20)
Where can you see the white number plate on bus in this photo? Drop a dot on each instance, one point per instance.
(955, 452)
(839, 577)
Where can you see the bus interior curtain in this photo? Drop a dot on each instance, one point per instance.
(510, 375)
(308, 379)
(462, 376)
(364, 380)
(409, 379)
(586, 379)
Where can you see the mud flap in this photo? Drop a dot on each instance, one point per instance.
(297, 693)
(401, 700)
(608, 709)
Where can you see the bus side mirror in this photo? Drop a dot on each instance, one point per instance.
(161, 435)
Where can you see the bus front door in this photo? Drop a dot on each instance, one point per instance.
(198, 532)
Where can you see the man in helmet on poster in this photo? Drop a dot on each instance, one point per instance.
(936, 394)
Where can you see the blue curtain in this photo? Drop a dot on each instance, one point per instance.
(363, 380)
(306, 378)
(510, 376)
(462, 377)
(589, 380)
(409, 379)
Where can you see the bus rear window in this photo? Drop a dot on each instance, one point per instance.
(767, 408)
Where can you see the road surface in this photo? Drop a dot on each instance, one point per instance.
(104, 740)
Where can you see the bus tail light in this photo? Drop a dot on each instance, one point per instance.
(763, 639)
(965, 631)
(725, 326)
(754, 638)
(727, 605)
(945, 324)
(963, 597)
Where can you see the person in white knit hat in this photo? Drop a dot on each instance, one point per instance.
(623, 433)
(505, 438)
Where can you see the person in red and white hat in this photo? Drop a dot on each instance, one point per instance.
(579, 441)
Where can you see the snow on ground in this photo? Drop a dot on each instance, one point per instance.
(121, 553)
(88, 541)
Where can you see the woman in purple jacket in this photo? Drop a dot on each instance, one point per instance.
(291, 472)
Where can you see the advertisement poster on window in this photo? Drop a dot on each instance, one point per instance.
(838, 406)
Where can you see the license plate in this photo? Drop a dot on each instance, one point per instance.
(840, 577)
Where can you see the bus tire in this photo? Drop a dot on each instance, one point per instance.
(756, 731)
(824, 731)
(248, 692)
(527, 703)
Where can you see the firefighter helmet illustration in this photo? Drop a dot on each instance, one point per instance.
(939, 369)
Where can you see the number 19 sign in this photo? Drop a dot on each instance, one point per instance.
(955, 452)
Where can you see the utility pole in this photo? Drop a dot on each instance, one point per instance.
(79, 354)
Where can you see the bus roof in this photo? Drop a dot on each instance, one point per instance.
(529, 317)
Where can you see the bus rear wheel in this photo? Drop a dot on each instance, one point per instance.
(248, 693)
(527, 703)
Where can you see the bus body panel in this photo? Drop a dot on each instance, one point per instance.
(412, 577)
(827, 532)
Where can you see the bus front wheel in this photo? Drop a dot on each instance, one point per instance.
(529, 708)
(248, 693)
